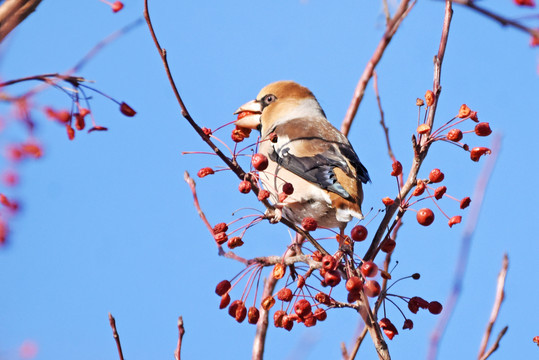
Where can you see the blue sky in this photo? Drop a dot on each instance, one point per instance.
(107, 222)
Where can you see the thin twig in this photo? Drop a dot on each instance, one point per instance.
(357, 344)
(231, 163)
(420, 150)
(192, 185)
(496, 344)
(100, 45)
(498, 18)
(263, 322)
(112, 322)
(500, 295)
(392, 26)
(467, 235)
(181, 332)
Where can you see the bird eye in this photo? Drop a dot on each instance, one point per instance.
(268, 99)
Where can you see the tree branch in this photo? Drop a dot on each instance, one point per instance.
(500, 295)
(392, 26)
(181, 332)
(13, 12)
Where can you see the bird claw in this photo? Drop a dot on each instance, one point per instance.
(274, 215)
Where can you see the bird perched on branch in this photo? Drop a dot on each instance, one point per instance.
(309, 153)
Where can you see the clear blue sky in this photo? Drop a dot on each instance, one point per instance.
(107, 222)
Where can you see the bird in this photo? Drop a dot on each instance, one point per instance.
(305, 150)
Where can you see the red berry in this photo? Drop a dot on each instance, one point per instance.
(70, 132)
(372, 288)
(288, 188)
(223, 287)
(127, 110)
(369, 269)
(117, 6)
(260, 162)
(278, 271)
(425, 216)
(464, 203)
(205, 172)
(263, 195)
(477, 152)
(285, 294)
(309, 224)
(245, 187)
(388, 201)
(388, 245)
(84, 112)
(79, 122)
(455, 220)
(241, 312)
(419, 188)
(233, 307)
(439, 192)
(389, 329)
(353, 296)
(234, 242)
(419, 302)
(435, 307)
(529, 3)
(221, 227)
(301, 282)
(408, 324)
(464, 111)
(278, 318)
(225, 300)
(309, 321)
(332, 278)
(483, 129)
(359, 233)
(454, 135)
(354, 284)
(268, 302)
(429, 98)
(220, 238)
(302, 308)
(328, 262)
(323, 298)
(317, 256)
(320, 314)
(423, 129)
(287, 322)
(253, 315)
(436, 176)
(397, 168)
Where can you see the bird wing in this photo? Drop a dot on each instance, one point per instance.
(312, 149)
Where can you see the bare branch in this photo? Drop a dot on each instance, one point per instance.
(112, 322)
(392, 26)
(262, 325)
(231, 163)
(181, 332)
(498, 18)
(496, 344)
(420, 151)
(464, 252)
(13, 12)
(500, 295)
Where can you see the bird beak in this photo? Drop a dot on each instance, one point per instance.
(249, 115)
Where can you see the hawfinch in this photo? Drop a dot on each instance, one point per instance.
(305, 150)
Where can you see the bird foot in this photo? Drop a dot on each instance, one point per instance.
(273, 215)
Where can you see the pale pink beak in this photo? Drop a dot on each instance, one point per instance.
(251, 119)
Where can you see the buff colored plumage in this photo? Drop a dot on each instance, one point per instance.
(308, 152)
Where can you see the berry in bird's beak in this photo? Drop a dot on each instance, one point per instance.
(249, 115)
